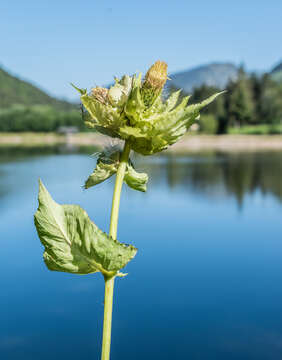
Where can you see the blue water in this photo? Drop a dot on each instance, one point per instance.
(206, 282)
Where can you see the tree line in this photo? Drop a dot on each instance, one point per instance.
(251, 102)
(38, 118)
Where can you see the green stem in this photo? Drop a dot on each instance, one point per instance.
(109, 281)
(107, 327)
(117, 190)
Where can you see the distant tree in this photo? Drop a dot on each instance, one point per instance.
(216, 109)
(257, 84)
(239, 101)
(271, 101)
(203, 92)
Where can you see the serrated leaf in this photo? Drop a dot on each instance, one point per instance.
(172, 100)
(168, 127)
(135, 106)
(102, 116)
(106, 131)
(73, 243)
(195, 108)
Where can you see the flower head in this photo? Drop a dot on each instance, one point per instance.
(156, 76)
(100, 94)
(153, 84)
(133, 110)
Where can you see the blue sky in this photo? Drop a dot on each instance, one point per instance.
(88, 42)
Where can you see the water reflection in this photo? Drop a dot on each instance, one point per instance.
(212, 174)
(14, 153)
(220, 174)
(204, 285)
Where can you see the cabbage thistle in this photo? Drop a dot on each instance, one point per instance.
(132, 110)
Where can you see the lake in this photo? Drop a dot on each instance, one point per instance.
(206, 282)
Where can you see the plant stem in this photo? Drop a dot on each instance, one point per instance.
(117, 190)
(107, 327)
(109, 281)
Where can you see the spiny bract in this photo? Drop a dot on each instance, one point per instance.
(134, 110)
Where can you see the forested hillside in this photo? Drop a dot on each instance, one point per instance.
(25, 107)
(16, 91)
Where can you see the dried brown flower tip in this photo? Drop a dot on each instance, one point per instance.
(100, 94)
(156, 76)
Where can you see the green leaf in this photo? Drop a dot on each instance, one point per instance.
(107, 165)
(172, 100)
(102, 115)
(81, 91)
(101, 173)
(73, 243)
(135, 180)
(135, 106)
(195, 108)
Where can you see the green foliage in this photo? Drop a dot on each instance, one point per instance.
(135, 180)
(271, 109)
(208, 124)
(277, 76)
(24, 107)
(147, 129)
(107, 165)
(276, 73)
(38, 118)
(15, 91)
(264, 129)
(203, 92)
(105, 168)
(73, 243)
(250, 100)
(240, 106)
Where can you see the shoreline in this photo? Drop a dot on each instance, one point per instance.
(189, 143)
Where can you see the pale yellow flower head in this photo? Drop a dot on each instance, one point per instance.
(156, 76)
(136, 111)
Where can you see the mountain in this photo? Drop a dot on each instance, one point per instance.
(215, 75)
(16, 91)
(276, 73)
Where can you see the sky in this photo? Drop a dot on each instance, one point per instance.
(52, 43)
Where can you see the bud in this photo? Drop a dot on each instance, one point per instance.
(117, 97)
(156, 76)
(154, 82)
(118, 93)
(126, 82)
(100, 94)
